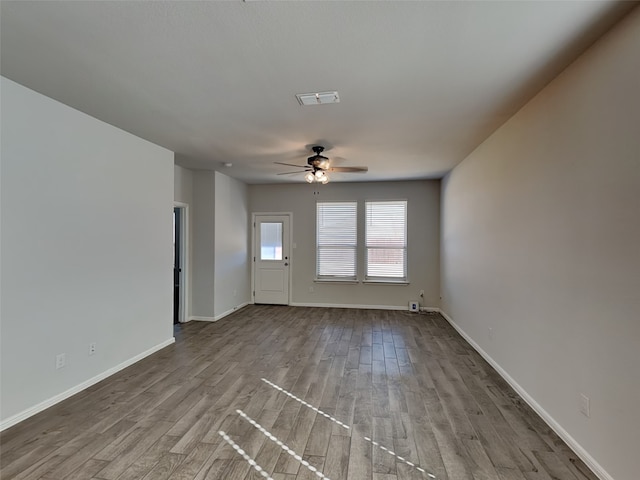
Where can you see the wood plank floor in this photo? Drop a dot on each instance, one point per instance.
(302, 393)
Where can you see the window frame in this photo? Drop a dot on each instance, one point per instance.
(355, 246)
(405, 249)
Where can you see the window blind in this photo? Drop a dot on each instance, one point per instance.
(386, 240)
(336, 240)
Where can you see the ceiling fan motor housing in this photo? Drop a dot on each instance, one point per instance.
(318, 161)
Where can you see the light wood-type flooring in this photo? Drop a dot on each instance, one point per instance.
(303, 393)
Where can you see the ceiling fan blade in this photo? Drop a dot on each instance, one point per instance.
(291, 165)
(349, 169)
(290, 173)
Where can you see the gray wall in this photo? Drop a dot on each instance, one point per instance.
(541, 243)
(86, 249)
(423, 239)
(232, 267)
(203, 243)
(183, 193)
(183, 185)
(220, 239)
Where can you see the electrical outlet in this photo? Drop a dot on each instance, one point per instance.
(585, 405)
(490, 332)
(61, 360)
(92, 348)
(310, 289)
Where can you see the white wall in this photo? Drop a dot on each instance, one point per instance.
(203, 244)
(423, 239)
(541, 243)
(86, 249)
(232, 235)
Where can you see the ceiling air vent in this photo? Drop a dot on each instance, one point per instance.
(320, 98)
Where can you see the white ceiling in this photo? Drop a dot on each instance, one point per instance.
(421, 83)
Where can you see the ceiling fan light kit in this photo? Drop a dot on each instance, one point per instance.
(318, 166)
(317, 177)
(322, 177)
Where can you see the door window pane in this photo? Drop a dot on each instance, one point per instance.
(271, 241)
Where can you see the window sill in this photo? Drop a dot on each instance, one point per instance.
(386, 282)
(355, 282)
(335, 280)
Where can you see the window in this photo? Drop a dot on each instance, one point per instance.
(386, 240)
(336, 240)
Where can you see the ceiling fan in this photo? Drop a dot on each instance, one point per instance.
(317, 167)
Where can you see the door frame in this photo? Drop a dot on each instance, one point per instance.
(183, 295)
(253, 251)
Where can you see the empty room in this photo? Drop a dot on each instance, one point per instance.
(294, 240)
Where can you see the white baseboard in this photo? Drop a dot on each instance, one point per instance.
(595, 467)
(430, 309)
(229, 312)
(361, 307)
(221, 315)
(29, 412)
(202, 319)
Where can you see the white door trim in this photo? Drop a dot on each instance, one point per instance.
(183, 312)
(253, 251)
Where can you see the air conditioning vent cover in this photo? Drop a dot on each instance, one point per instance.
(320, 98)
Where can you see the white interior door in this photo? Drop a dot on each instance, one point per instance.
(271, 259)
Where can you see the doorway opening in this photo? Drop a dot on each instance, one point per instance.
(180, 263)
